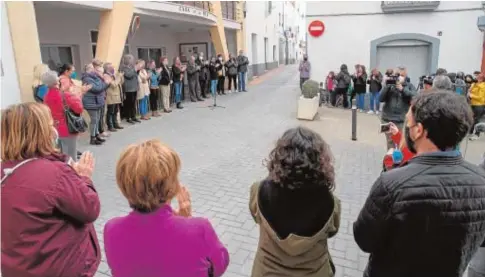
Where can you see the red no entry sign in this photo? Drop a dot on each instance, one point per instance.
(316, 28)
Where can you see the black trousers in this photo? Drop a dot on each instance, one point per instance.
(332, 98)
(220, 84)
(194, 88)
(204, 86)
(129, 105)
(154, 98)
(101, 120)
(111, 115)
(302, 80)
(232, 79)
(478, 113)
(343, 92)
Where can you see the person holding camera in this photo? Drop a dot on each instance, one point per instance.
(360, 86)
(375, 87)
(396, 96)
(343, 82)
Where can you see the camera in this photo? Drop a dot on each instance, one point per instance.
(392, 80)
(426, 80)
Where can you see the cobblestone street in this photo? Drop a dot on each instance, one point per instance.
(222, 151)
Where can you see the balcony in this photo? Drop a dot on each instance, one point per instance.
(203, 5)
(409, 6)
(229, 8)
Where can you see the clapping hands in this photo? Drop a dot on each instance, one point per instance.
(85, 166)
(184, 202)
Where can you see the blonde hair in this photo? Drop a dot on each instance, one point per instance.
(147, 175)
(39, 70)
(27, 132)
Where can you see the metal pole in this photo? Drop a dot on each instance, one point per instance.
(354, 120)
(286, 35)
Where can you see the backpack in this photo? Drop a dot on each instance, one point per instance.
(39, 93)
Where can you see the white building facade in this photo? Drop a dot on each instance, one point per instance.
(421, 36)
(266, 24)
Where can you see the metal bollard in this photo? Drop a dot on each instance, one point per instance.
(354, 120)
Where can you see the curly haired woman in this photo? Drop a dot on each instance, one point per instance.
(295, 208)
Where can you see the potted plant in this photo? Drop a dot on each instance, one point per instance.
(308, 102)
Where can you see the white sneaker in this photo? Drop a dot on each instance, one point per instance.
(370, 112)
(473, 137)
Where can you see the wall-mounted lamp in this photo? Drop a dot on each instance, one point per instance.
(481, 23)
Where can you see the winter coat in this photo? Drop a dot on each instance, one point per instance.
(165, 76)
(176, 74)
(231, 66)
(130, 83)
(192, 71)
(94, 98)
(204, 73)
(213, 69)
(305, 68)
(221, 69)
(113, 92)
(330, 84)
(477, 94)
(424, 219)
(292, 255)
(343, 78)
(242, 63)
(53, 100)
(375, 83)
(157, 233)
(143, 86)
(154, 78)
(360, 83)
(396, 103)
(47, 228)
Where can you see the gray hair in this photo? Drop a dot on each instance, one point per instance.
(128, 60)
(49, 78)
(442, 82)
(88, 67)
(107, 67)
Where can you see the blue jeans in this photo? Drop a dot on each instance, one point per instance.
(360, 101)
(242, 81)
(374, 101)
(144, 105)
(213, 87)
(178, 91)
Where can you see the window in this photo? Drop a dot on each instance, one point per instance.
(155, 54)
(55, 56)
(94, 42)
(279, 19)
(228, 9)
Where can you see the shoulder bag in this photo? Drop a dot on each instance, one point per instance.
(75, 123)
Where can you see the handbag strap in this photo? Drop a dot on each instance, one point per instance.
(9, 171)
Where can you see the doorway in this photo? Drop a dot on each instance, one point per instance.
(266, 53)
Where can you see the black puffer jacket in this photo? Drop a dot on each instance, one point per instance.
(424, 219)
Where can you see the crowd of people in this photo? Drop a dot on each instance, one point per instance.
(137, 91)
(424, 218)
(395, 90)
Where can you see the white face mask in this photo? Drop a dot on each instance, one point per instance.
(201, 58)
(220, 59)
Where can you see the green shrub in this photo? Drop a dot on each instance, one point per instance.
(310, 89)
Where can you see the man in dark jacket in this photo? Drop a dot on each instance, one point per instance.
(193, 79)
(396, 97)
(203, 74)
(242, 68)
(343, 82)
(426, 218)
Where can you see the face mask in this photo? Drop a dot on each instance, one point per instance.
(409, 142)
(56, 137)
(73, 75)
(201, 58)
(165, 63)
(220, 59)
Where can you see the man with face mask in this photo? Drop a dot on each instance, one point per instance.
(426, 218)
(203, 74)
(305, 68)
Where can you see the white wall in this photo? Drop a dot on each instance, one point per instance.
(263, 26)
(347, 37)
(10, 93)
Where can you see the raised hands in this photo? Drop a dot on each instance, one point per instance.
(184, 202)
(85, 165)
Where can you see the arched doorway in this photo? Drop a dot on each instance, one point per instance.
(417, 52)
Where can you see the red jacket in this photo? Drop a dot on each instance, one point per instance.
(47, 213)
(53, 99)
(407, 155)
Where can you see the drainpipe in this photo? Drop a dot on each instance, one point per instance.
(481, 27)
(286, 35)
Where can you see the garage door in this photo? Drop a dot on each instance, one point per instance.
(415, 58)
